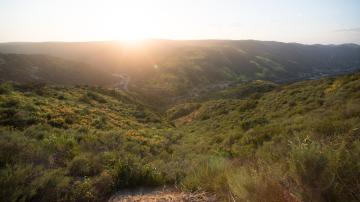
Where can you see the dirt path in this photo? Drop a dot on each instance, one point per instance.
(160, 195)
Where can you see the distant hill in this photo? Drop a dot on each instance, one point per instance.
(49, 69)
(179, 69)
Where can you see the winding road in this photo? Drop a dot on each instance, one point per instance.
(123, 83)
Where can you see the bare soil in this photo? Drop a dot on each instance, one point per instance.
(160, 195)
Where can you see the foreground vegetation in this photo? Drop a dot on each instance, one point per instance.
(252, 142)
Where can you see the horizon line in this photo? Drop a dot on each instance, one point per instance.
(169, 39)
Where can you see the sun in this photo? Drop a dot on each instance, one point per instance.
(131, 34)
(126, 21)
(132, 40)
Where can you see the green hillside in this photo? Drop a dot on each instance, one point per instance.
(246, 142)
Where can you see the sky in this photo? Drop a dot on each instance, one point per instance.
(302, 21)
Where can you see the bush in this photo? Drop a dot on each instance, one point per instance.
(345, 165)
(330, 128)
(104, 185)
(352, 109)
(17, 182)
(209, 175)
(182, 110)
(82, 191)
(309, 167)
(96, 97)
(52, 185)
(251, 184)
(58, 122)
(5, 88)
(246, 125)
(131, 173)
(84, 165)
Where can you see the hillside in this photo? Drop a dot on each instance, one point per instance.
(48, 69)
(254, 140)
(164, 68)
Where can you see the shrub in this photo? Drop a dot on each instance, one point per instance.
(248, 105)
(9, 103)
(344, 163)
(82, 191)
(58, 122)
(329, 128)
(100, 122)
(182, 110)
(250, 184)
(246, 125)
(52, 185)
(96, 97)
(208, 175)
(84, 165)
(309, 167)
(103, 185)
(352, 109)
(37, 87)
(79, 167)
(61, 147)
(16, 182)
(6, 88)
(130, 174)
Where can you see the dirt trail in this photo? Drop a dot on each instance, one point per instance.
(160, 195)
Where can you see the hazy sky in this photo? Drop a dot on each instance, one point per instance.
(304, 21)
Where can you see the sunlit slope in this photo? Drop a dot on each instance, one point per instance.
(86, 143)
(241, 119)
(72, 107)
(276, 143)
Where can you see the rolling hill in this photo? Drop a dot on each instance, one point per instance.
(255, 140)
(166, 71)
(175, 66)
(82, 121)
(52, 70)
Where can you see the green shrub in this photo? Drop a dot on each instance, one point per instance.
(82, 191)
(17, 182)
(263, 183)
(100, 122)
(80, 166)
(309, 167)
(246, 125)
(352, 109)
(330, 128)
(52, 185)
(345, 164)
(96, 97)
(104, 185)
(58, 122)
(208, 175)
(10, 103)
(130, 174)
(181, 110)
(5, 88)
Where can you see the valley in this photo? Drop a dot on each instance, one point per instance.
(184, 69)
(202, 126)
(89, 142)
(179, 101)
